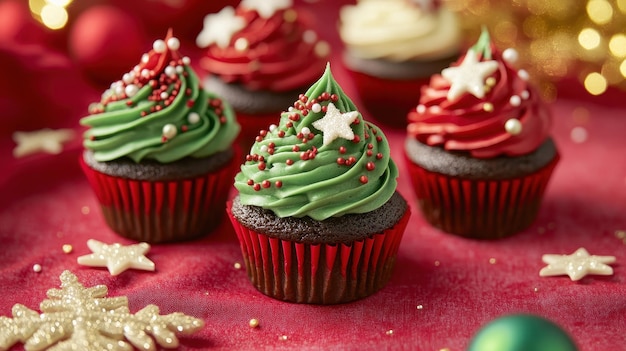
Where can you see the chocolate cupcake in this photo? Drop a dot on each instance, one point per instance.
(478, 146)
(392, 48)
(259, 56)
(318, 216)
(158, 150)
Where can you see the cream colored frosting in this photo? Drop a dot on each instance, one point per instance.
(398, 30)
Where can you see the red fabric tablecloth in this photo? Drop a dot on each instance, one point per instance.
(461, 284)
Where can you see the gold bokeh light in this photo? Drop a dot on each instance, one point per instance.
(617, 45)
(589, 38)
(600, 11)
(595, 83)
(54, 17)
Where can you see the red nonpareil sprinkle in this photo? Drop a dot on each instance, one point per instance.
(334, 98)
(369, 153)
(158, 107)
(305, 112)
(250, 182)
(249, 158)
(257, 187)
(341, 161)
(153, 83)
(342, 149)
(270, 150)
(370, 146)
(163, 139)
(356, 121)
(348, 162)
(188, 91)
(370, 166)
(289, 162)
(294, 117)
(295, 148)
(379, 138)
(258, 138)
(300, 135)
(190, 103)
(310, 136)
(266, 184)
(289, 125)
(222, 119)
(324, 109)
(304, 140)
(218, 111)
(281, 134)
(261, 158)
(184, 128)
(325, 96)
(304, 156)
(379, 156)
(143, 113)
(92, 137)
(216, 102)
(356, 139)
(278, 184)
(263, 132)
(129, 103)
(271, 145)
(363, 179)
(255, 157)
(352, 159)
(375, 131)
(302, 97)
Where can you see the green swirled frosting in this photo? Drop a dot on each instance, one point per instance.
(297, 170)
(159, 111)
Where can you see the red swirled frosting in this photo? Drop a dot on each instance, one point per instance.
(509, 120)
(279, 53)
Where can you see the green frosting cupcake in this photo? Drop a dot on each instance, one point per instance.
(159, 111)
(323, 160)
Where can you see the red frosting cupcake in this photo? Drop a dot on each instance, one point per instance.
(478, 146)
(259, 57)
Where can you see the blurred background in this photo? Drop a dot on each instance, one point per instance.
(50, 48)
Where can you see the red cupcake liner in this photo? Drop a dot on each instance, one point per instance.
(388, 101)
(319, 273)
(162, 211)
(480, 209)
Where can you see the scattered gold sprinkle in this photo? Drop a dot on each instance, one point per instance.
(444, 349)
(237, 265)
(254, 323)
(492, 260)
(67, 248)
(535, 289)
(206, 293)
(620, 234)
(488, 106)
(290, 15)
(241, 44)
(419, 307)
(85, 210)
(283, 338)
(37, 268)
(491, 81)
(437, 263)
(389, 332)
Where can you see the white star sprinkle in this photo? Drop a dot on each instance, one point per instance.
(335, 124)
(576, 265)
(220, 27)
(46, 140)
(116, 257)
(266, 8)
(469, 76)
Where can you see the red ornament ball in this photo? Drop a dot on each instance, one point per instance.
(17, 25)
(106, 42)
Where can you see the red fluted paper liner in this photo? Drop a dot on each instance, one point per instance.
(480, 209)
(388, 101)
(162, 211)
(319, 273)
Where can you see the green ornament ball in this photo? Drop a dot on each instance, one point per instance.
(521, 332)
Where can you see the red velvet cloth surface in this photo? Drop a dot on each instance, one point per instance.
(461, 284)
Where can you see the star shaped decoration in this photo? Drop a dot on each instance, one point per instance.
(335, 124)
(220, 27)
(576, 265)
(266, 8)
(43, 140)
(469, 76)
(116, 257)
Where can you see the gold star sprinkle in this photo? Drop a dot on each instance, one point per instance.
(419, 307)
(253, 323)
(283, 338)
(576, 265)
(44, 140)
(67, 248)
(116, 257)
(237, 265)
(79, 318)
(389, 332)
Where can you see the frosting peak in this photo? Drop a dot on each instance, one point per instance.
(159, 111)
(323, 160)
(481, 105)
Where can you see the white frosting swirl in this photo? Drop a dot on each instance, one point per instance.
(398, 31)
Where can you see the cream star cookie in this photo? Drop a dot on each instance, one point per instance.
(220, 27)
(266, 8)
(116, 257)
(576, 265)
(469, 76)
(43, 140)
(335, 124)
